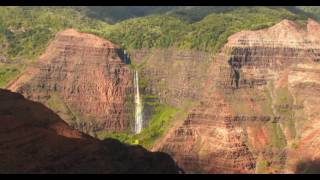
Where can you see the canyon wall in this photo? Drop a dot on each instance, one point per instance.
(174, 76)
(85, 79)
(33, 139)
(258, 110)
(170, 77)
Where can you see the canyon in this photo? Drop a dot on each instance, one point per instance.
(250, 108)
(258, 111)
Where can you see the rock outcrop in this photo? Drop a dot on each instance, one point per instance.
(83, 78)
(33, 139)
(259, 110)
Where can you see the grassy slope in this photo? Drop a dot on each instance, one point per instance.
(158, 124)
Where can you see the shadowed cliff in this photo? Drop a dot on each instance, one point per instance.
(308, 167)
(33, 139)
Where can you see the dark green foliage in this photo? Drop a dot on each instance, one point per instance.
(209, 34)
(148, 32)
(309, 11)
(113, 14)
(27, 30)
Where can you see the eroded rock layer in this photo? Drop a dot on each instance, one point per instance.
(170, 77)
(174, 76)
(33, 139)
(84, 79)
(259, 110)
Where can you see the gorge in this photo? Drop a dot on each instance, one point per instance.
(234, 91)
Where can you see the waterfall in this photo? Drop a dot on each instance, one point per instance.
(138, 105)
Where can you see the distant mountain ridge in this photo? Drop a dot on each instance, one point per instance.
(114, 14)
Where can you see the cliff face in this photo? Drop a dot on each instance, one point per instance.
(174, 76)
(259, 108)
(84, 79)
(33, 139)
(170, 77)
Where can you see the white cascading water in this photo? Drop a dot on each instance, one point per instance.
(138, 105)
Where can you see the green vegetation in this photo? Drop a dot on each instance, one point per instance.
(190, 14)
(56, 103)
(209, 34)
(278, 140)
(262, 165)
(310, 11)
(68, 114)
(113, 14)
(158, 124)
(284, 97)
(275, 133)
(147, 32)
(7, 74)
(26, 31)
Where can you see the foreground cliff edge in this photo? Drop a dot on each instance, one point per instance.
(33, 139)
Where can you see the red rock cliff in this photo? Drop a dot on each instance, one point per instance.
(259, 111)
(84, 79)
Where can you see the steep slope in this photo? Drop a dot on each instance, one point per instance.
(33, 139)
(82, 77)
(258, 111)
